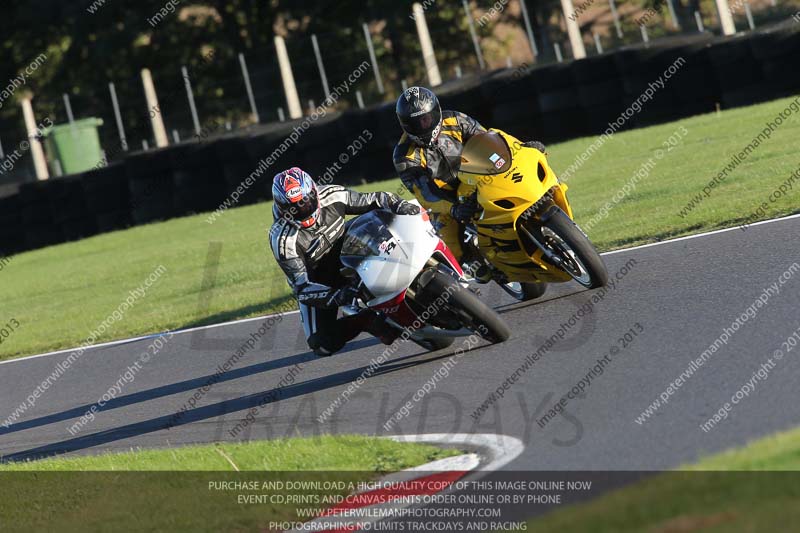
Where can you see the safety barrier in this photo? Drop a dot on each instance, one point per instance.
(549, 103)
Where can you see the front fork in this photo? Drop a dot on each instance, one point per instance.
(470, 244)
(535, 236)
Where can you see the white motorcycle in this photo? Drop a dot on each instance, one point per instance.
(402, 269)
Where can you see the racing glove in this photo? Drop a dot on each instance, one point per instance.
(465, 211)
(406, 208)
(535, 144)
(343, 296)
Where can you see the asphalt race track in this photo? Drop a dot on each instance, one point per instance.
(681, 293)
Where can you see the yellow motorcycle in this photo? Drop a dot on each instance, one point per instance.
(525, 230)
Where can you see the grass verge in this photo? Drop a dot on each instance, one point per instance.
(324, 453)
(742, 490)
(183, 489)
(59, 294)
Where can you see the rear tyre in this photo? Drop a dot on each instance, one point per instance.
(581, 260)
(471, 312)
(524, 291)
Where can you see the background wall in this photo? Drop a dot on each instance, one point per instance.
(549, 103)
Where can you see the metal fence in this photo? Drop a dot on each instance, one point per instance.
(483, 36)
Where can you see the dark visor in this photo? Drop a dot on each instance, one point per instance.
(424, 124)
(305, 207)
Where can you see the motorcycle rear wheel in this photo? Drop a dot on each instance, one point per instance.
(524, 291)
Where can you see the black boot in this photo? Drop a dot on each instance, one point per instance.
(476, 268)
(323, 345)
(483, 274)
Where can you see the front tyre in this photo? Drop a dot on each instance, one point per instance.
(578, 255)
(471, 312)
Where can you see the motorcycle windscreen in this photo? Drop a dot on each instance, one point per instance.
(485, 154)
(365, 238)
(388, 251)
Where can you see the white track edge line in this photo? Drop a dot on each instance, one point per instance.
(500, 453)
(150, 336)
(502, 449)
(245, 320)
(698, 235)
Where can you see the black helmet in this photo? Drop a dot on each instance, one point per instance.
(420, 115)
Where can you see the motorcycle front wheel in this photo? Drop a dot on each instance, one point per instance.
(471, 312)
(578, 256)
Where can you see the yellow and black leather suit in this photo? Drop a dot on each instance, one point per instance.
(431, 173)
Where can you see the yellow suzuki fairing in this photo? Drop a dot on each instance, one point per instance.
(519, 192)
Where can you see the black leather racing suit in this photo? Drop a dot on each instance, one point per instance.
(431, 173)
(310, 259)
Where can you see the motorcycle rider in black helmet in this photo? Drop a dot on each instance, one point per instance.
(427, 158)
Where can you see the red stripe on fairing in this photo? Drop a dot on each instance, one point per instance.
(423, 486)
(398, 310)
(393, 302)
(442, 247)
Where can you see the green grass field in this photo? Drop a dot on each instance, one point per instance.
(61, 293)
(741, 490)
(92, 494)
(746, 489)
(326, 453)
